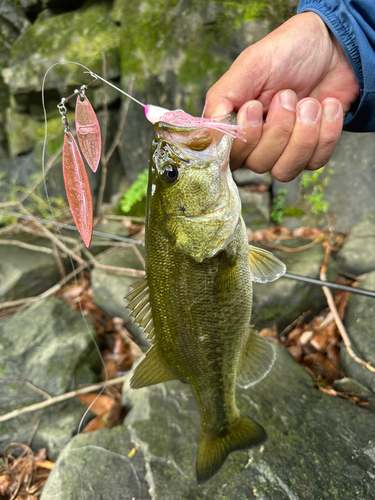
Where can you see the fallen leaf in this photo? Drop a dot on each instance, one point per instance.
(322, 367)
(98, 404)
(269, 332)
(95, 424)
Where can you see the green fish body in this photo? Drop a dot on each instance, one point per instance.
(195, 300)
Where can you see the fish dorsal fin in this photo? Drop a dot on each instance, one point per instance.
(264, 265)
(150, 371)
(140, 306)
(257, 360)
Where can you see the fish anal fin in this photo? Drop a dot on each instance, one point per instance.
(264, 265)
(212, 452)
(257, 360)
(150, 371)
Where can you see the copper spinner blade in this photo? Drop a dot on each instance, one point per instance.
(88, 132)
(77, 188)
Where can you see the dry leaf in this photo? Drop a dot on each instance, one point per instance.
(98, 404)
(269, 332)
(95, 424)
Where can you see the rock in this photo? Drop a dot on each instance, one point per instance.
(24, 272)
(349, 172)
(357, 255)
(73, 36)
(310, 436)
(359, 321)
(21, 131)
(351, 386)
(244, 176)
(47, 348)
(282, 301)
(99, 463)
(110, 289)
(12, 23)
(255, 208)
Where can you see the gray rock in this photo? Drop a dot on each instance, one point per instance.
(110, 289)
(25, 272)
(282, 301)
(244, 176)
(314, 439)
(359, 321)
(48, 347)
(98, 463)
(349, 172)
(351, 386)
(357, 256)
(255, 208)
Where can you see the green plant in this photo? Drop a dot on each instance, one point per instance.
(317, 182)
(136, 193)
(279, 205)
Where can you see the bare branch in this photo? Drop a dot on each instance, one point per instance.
(27, 246)
(339, 323)
(58, 399)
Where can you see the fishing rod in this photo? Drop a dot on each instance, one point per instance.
(305, 279)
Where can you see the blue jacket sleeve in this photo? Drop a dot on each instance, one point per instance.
(353, 24)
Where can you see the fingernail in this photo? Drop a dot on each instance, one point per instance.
(308, 112)
(331, 110)
(288, 100)
(254, 117)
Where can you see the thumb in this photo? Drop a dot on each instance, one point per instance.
(241, 83)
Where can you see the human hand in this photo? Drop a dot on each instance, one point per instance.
(300, 79)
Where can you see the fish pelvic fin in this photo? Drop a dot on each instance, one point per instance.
(256, 361)
(212, 452)
(150, 371)
(264, 265)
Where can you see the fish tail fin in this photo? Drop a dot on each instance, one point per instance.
(212, 452)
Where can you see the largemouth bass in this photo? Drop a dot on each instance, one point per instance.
(195, 300)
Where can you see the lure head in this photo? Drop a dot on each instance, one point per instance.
(192, 195)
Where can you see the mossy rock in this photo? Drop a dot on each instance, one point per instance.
(47, 347)
(79, 36)
(314, 439)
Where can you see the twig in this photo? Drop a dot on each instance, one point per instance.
(47, 293)
(122, 122)
(53, 238)
(333, 309)
(29, 384)
(125, 217)
(28, 246)
(61, 398)
(107, 156)
(293, 250)
(121, 270)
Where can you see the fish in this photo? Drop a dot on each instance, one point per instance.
(195, 300)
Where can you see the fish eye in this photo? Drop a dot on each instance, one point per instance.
(170, 174)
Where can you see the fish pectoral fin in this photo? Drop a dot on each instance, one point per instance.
(212, 452)
(140, 307)
(264, 265)
(256, 362)
(150, 371)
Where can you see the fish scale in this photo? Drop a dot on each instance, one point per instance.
(199, 273)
